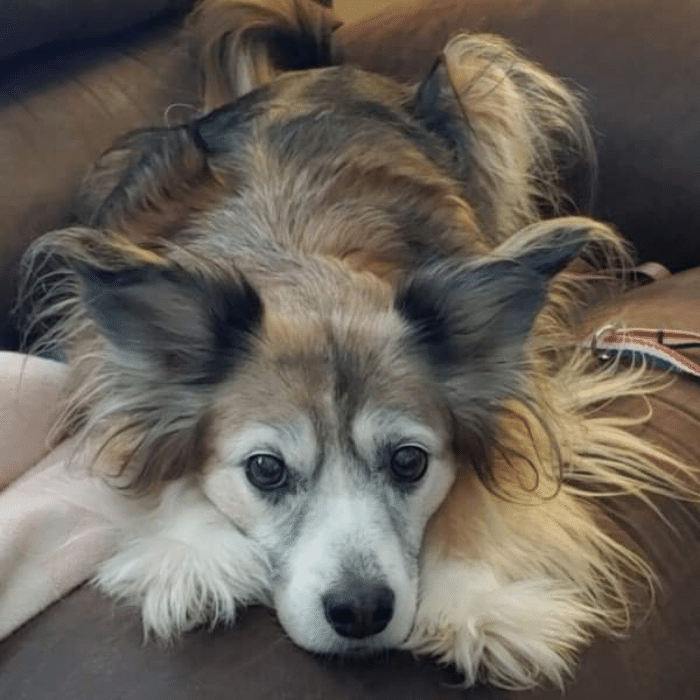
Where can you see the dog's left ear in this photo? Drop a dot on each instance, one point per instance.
(471, 321)
(511, 128)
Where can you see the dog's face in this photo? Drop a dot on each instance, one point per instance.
(331, 451)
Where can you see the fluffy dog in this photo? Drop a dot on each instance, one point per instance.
(322, 345)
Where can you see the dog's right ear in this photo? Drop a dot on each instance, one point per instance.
(167, 335)
(244, 45)
(471, 320)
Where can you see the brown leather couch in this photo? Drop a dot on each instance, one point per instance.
(75, 74)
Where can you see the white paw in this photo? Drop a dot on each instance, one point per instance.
(185, 564)
(511, 634)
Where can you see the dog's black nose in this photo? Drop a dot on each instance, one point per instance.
(360, 609)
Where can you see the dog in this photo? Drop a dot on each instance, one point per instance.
(322, 344)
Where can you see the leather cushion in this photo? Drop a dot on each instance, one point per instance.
(59, 109)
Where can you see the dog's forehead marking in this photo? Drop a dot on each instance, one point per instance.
(317, 439)
(331, 370)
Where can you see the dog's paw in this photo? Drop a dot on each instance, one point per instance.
(512, 634)
(185, 565)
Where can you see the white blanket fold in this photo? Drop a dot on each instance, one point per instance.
(56, 525)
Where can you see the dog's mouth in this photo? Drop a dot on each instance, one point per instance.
(361, 650)
(376, 647)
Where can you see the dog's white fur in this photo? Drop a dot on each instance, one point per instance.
(521, 629)
(186, 564)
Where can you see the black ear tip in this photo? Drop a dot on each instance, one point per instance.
(428, 92)
(560, 249)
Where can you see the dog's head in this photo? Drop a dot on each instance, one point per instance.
(302, 299)
(328, 430)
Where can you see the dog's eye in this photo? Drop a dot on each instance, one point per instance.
(266, 472)
(409, 463)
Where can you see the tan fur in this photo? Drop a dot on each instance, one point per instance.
(513, 108)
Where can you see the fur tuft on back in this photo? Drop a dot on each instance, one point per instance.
(244, 45)
(525, 126)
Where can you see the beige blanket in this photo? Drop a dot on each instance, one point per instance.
(56, 524)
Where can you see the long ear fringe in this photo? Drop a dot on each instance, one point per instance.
(599, 274)
(48, 296)
(556, 573)
(560, 459)
(526, 125)
(243, 45)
